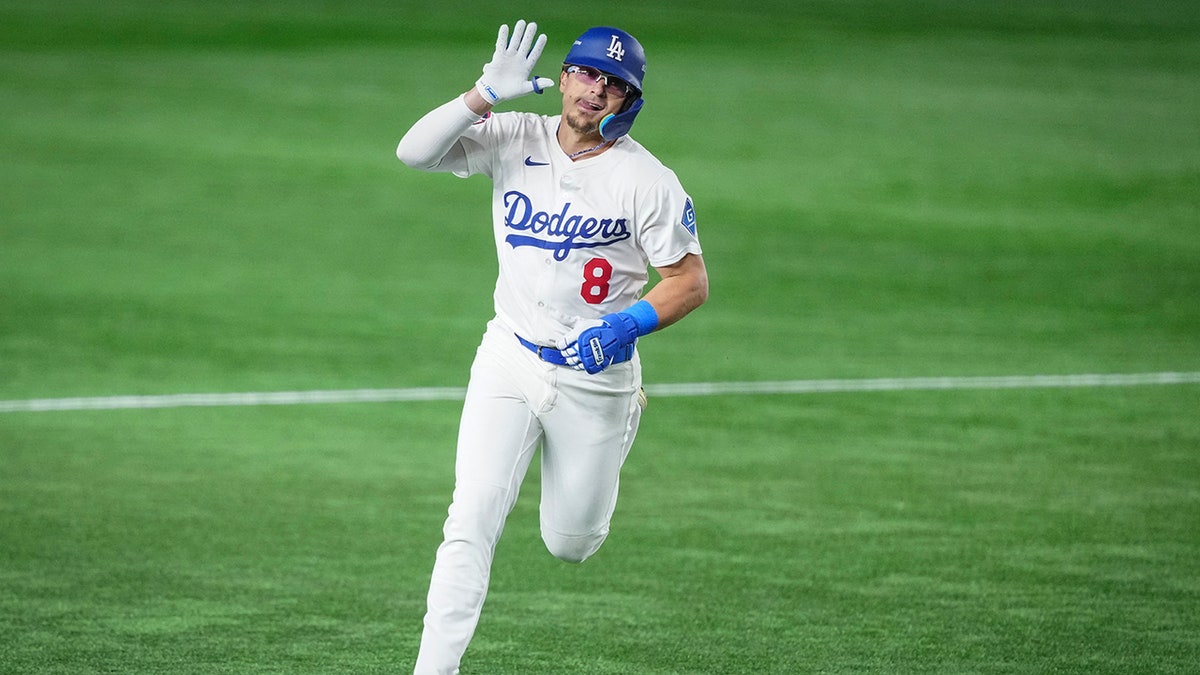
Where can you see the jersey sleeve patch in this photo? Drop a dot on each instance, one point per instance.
(689, 217)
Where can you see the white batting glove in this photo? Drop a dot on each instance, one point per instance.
(508, 74)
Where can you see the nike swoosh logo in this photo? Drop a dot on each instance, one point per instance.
(530, 162)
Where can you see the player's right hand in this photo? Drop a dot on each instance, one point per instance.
(508, 74)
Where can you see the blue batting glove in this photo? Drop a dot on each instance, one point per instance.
(598, 344)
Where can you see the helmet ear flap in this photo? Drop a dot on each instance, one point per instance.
(614, 126)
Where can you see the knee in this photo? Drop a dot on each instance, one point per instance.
(573, 548)
(475, 518)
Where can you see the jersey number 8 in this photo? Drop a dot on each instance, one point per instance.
(596, 275)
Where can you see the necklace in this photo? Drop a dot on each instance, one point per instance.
(591, 149)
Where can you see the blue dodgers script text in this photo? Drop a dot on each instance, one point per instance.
(560, 232)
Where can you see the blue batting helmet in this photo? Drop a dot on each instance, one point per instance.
(610, 50)
(614, 52)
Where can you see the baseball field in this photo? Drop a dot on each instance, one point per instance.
(941, 413)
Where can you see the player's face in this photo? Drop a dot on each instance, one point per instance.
(585, 105)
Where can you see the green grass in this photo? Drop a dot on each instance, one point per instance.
(202, 197)
(937, 532)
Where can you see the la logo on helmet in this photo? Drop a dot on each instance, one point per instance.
(615, 50)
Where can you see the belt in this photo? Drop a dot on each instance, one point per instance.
(552, 355)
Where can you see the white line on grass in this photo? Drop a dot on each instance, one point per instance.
(680, 389)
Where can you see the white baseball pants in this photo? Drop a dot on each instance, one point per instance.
(515, 402)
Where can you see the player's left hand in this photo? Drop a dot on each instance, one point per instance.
(508, 74)
(593, 345)
(568, 344)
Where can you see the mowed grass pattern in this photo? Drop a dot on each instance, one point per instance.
(202, 197)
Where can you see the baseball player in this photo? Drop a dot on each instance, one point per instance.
(580, 211)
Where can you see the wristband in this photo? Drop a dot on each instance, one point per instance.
(643, 316)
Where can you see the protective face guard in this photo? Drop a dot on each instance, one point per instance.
(617, 125)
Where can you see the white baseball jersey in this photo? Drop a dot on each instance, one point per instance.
(573, 238)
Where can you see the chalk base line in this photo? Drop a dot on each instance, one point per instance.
(322, 397)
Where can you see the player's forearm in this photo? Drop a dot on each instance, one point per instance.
(683, 288)
(476, 102)
(432, 137)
